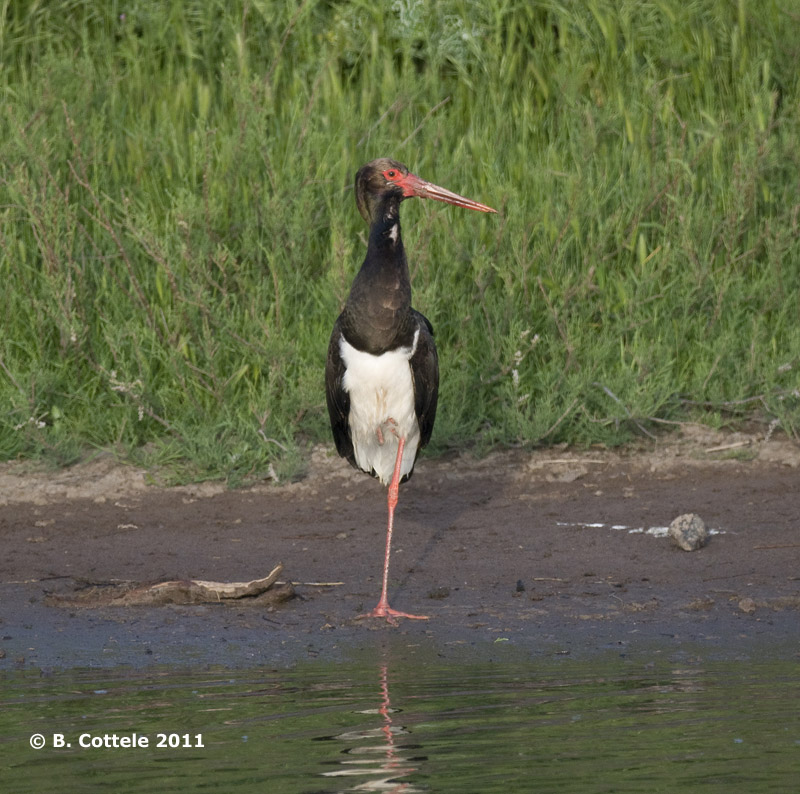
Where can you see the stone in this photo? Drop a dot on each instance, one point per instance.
(688, 532)
(747, 605)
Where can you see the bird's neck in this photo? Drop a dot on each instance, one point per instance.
(385, 240)
(379, 303)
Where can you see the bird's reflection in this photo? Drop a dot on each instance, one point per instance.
(377, 753)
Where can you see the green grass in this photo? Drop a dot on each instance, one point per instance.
(178, 230)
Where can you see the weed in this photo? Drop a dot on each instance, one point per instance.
(178, 230)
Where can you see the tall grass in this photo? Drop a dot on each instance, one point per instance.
(178, 230)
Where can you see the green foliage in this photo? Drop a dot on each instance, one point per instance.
(178, 231)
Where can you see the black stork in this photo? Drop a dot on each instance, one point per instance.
(382, 372)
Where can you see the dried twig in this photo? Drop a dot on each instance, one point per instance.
(624, 408)
(569, 461)
(422, 123)
(733, 445)
(181, 591)
(559, 420)
(396, 105)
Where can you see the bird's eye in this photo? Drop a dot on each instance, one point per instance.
(391, 174)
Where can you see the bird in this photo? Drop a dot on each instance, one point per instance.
(382, 368)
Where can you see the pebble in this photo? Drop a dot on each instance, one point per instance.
(688, 532)
(747, 605)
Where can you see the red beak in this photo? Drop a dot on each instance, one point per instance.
(414, 186)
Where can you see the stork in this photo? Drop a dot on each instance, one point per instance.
(382, 371)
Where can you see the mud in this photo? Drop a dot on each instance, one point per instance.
(552, 551)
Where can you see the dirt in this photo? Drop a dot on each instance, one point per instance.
(552, 551)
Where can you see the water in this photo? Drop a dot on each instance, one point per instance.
(601, 725)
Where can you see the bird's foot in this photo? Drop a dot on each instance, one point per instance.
(385, 611)
(391, 424)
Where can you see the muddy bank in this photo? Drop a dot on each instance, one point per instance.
(546, 552)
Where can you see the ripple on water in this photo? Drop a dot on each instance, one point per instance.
(601, 725)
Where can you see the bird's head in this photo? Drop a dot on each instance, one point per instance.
(383, 178)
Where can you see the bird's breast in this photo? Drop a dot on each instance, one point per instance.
(381, 391)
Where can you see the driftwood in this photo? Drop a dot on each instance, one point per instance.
(182, 591)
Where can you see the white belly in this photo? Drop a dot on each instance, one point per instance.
(380, 388)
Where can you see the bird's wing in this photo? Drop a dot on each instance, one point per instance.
(425, 376)
(337, 398)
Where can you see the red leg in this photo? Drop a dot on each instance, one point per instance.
(383, 610)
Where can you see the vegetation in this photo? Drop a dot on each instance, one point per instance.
(178, 227)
